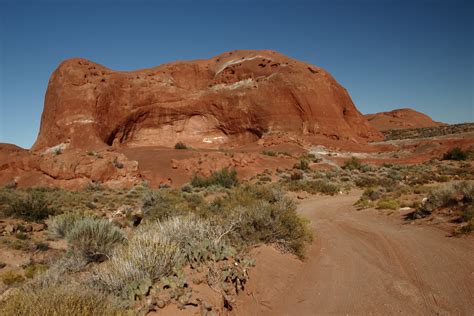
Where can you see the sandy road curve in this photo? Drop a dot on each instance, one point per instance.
(367, 263)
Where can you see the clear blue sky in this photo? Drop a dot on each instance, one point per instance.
(388, 54)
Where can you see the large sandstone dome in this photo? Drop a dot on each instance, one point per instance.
(231, 99)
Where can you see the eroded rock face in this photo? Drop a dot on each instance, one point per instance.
(400, 119)
(231, 99)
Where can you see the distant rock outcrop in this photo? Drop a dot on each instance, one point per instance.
(231, 99)
(400, 119)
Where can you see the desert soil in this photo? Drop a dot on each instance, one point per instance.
(364, 263)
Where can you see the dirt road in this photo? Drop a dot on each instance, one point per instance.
(368, 263)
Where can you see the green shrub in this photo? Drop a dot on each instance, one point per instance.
(225, 178)
(93, 239)
(302, 164)
(455, 154)
(388, 204)
(33, 207)
(162, 204)
(64, 300)
(467, 213)
(373, 193)
(11, 277)
(180, 145)
(262, 214)
(352, 164)
(62, 224)
(269, 153)
(364, 203)
(313, 187)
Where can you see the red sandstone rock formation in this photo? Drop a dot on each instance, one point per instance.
(231, 99)
(400, 119)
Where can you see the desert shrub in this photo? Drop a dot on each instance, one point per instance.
(276, 223)
(162, 204)
(364, 203)
(302, 164)
(93, 238)
(156, 250)
(64, 300)
(117, 164)
(33, 207)
(467, 213)
(180, 145)
(313, 187)
(373, 193)
(388, 204)
(352, 164)
(296, 175)
(455, 154)
(148, 256)
(10, 278)
(224, 177)
(269, 153)
(262, 214)
(62, 224)
(35, 269)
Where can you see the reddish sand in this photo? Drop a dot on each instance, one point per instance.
(364, 263)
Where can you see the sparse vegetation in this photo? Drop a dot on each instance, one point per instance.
(270, 153)
(64, 300)
(93, 239)
(180, 145)
(33, 207)
(11, 277)
(456, 154)
(353, 163)
(388, 204)
(225, 177)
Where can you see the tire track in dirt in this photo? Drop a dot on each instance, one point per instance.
(368, 263)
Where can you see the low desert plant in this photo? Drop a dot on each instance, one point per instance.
(225, 178)
(33, 207)
(10, 278)
(456, 154)
(352, 164)
(388, 204)
(62, 224)
(93, 239)
(35, 269)
(269, 153)
(302, 164)
(180, 145)
(313, 187)
(64, 300)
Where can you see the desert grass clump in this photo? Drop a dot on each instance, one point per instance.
(180, 145)
(64, 300)
(35, 269)
(270, 153)
(33, 207)
(93, 239)
(313, 187)
(353, 163)
(62, 224)
(302, 164)
(225, 177)
(456, 154)
(388, 204)
(262, 214)
(155, 250)
(10, 278)
(163, 204)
